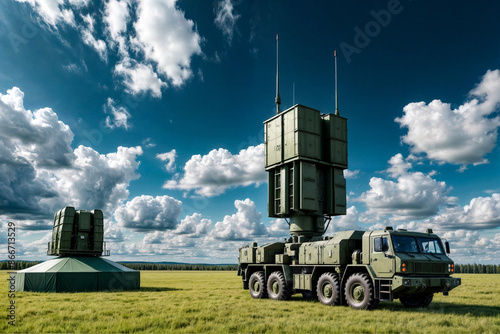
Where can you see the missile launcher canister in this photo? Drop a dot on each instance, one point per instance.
(78, 233)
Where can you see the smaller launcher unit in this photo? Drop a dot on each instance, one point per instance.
(77, 241)
(306, 153)
(78, 233)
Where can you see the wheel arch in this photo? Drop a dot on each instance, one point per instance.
(268, 269)
(248, 271)
(287, 271)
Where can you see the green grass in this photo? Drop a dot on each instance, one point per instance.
(201, 301)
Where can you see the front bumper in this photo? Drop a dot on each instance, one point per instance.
(407, 284)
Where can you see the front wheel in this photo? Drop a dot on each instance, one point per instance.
(416, 300)
(257, 285)
(359, 292)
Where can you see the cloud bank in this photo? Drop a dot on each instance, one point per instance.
(153, 40)
(40, 173)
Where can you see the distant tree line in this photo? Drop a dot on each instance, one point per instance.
(18, 265)
(157, 266)
(477, 268)
(459, 268)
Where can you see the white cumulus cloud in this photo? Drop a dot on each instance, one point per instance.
(193, 225)
(278, 229)
(153, 40)
(459, 136)
(40, 173)
(54, 12)
(116, 16)
(480, 213)
(147, 213)
(88, 37)
(169, 158)
(351, 174)
(413, 195)
(119, 115)
(39, 136)
(95, 181)
(167, 38)
(243, 225)
(212, 174)
(29, 141)
(139, 78)
(347, 222)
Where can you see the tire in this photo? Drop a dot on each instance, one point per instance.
(416, 300)
(277, 288)
(359, 292)
(257, 285)
(328, 289)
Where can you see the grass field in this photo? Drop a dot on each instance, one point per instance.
(201, 301)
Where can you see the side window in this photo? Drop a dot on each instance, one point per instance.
(380, 244)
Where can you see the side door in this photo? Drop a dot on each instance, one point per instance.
(382, 257)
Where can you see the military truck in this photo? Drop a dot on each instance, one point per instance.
(305, 155)
(354, 267)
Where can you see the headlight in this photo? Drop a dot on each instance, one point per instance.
(451, 268)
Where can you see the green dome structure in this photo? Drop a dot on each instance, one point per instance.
(77, 274)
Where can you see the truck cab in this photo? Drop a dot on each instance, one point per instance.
(415, 264)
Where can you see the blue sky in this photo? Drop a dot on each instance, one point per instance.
(152, 111)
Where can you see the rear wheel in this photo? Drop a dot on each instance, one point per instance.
(257, 285)
(328, 289)
(416, 300)
(277, 288)
(359, 292)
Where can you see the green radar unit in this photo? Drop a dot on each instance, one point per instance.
(305, 156)
(306, 153)
(78, 232)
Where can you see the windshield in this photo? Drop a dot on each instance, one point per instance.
(406, 244)
(428, 245)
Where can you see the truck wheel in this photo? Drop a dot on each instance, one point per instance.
(416, 300)
(359, 292)
(257, 285)
(277, 288)
(328, 289)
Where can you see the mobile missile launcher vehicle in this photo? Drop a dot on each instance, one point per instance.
(354, 267)
(306, 153)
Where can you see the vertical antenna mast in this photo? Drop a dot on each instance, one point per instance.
(278, 99)
(336, 92)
